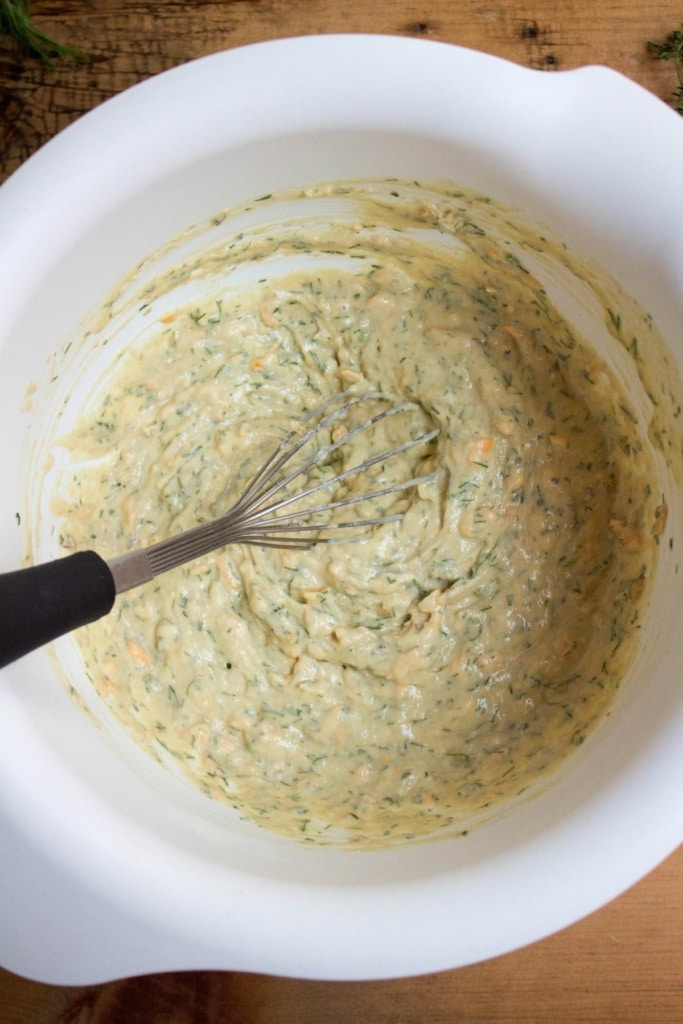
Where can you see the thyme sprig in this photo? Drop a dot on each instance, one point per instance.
(16, 21)
(672, 49)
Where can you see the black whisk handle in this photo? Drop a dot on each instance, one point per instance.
(45, 601)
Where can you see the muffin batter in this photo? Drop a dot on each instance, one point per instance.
(377, 691)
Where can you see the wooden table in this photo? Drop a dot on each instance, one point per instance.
(624, 964)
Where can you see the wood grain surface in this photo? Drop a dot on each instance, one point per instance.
(622, 965)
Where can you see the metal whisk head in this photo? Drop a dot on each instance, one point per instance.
(263, 515)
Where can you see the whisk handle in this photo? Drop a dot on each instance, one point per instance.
(45, 601)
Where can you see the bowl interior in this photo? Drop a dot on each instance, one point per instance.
(74, 785)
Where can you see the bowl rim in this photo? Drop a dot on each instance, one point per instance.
(83, 849)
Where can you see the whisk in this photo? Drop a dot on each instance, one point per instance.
(45, 601)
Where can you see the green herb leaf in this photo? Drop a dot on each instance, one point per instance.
(672, 49)
(15, 21)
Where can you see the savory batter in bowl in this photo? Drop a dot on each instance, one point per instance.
(394, 688)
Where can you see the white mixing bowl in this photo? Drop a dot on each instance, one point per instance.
(112, 867)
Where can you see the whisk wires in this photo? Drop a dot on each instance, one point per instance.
(259, 516)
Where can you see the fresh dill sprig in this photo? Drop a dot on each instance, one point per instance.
(672, 49)
(15, 21)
